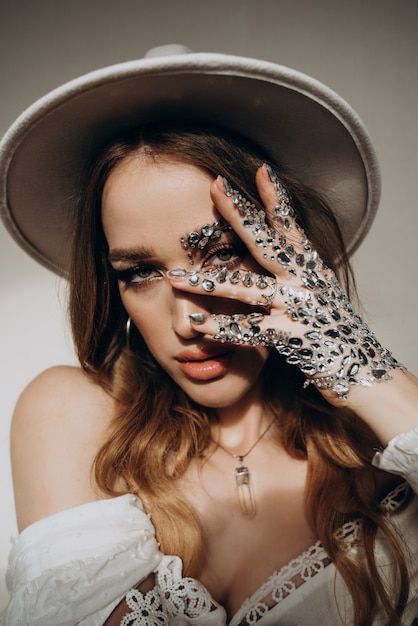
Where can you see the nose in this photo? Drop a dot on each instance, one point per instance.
(183, 305)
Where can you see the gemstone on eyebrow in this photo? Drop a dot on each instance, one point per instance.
(202, 236)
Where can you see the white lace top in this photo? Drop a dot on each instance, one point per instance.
(74, 567)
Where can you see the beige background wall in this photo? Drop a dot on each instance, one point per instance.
(366, 50)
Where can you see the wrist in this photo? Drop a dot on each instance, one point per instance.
(389, 408)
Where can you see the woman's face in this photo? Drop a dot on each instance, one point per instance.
(147, 209)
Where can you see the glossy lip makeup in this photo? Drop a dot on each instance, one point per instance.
(199, 364)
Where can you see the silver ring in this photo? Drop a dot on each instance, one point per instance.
(269, 284)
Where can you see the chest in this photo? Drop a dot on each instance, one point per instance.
(240, 553)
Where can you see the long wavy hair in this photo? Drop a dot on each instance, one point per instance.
(157, 429)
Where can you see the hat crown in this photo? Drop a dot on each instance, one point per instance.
(171, 49)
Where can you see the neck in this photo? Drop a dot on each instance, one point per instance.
(238, 427)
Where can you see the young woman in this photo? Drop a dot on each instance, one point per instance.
(237, 447)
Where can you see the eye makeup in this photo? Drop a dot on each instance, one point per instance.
(199, 239)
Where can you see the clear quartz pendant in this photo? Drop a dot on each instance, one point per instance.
(245, 493)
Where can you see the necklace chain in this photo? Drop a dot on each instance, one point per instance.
(242, 456)
(242, 478)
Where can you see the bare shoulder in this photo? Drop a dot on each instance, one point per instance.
(58, 425)
(61, 388)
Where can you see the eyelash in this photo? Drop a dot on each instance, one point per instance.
(236, 256)
(126, 277)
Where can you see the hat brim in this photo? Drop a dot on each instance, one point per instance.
(296, 119)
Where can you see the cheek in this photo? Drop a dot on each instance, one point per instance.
(147, 315)
(259, 358)
(250, 362)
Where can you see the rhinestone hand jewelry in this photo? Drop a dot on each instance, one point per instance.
(243, 478)
(245, 329)
(334, 347)
(209, 280)
(200, 239)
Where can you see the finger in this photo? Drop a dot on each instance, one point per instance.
(250, 224)
(280, 211)
(278, 244)
(241, 284)
(242, 329)
(274, 196)
(292, 238)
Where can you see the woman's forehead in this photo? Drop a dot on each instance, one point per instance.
(158, 200)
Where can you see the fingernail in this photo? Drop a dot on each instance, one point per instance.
(271, 173)
(178, 272)
(197, 318)
(227, 187)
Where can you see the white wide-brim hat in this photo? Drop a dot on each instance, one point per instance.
(296, 119)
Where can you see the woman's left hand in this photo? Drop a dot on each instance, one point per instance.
(300, 308)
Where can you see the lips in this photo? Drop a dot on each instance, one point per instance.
(203, 364)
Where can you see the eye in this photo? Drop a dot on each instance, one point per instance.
(138, 276)
(225, 256)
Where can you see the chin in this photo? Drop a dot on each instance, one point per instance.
(219, 393)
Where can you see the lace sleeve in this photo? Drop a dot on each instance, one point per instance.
(167, 598)
(401, 457)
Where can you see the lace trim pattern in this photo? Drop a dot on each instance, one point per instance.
(284, 582)
(349, 534)
(169, 598)
(146, 609)
(395, 498)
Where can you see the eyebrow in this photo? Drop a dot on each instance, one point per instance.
(136, 255)
(130, 255)
(225, 234)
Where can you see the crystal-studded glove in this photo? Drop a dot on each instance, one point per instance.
(307, 315)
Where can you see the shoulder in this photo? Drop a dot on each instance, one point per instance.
(58, 425)
(58, 389)
(62, 400)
